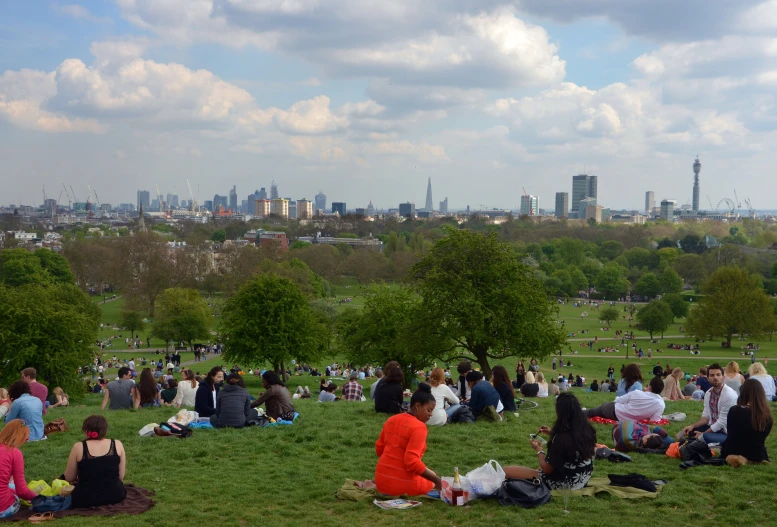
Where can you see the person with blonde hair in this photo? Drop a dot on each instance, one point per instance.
(5, 402)
(442, 395)
(543, 385)
(671, 391)
(187, 390)
(758, 372)
(58, 397)
(14, 435)
(732, 376)
(530, 388)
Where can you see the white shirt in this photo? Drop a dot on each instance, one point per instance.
(768, 383)
(727, 399)
(132, 364)
(543, 391)
(186, 394)
(441, 393)
(638, 405)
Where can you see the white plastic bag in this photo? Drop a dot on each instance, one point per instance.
(486, 480)
(184, 417)
(148, 430)
(447, 486)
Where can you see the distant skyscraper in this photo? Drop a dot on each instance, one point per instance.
(562, 204)
(220, 201)
(320, 201)
(144, 198)
(174, 202)
(338, 207)
(429, 207)
(261, 194)
(650, 200)
(530, 205)
(292, 209)
(667, 209)
(274, 191)
(233, 199)
(407, 210)
(583, 186)
(696, 187)
(444, 206)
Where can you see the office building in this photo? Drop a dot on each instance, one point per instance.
(530, 205)
(261, 194)
(233, 199)
(696, 187)
(250, 205)
(261, 208)
(360, 211)
(304, 209)
(208, 205)
(562, 204)
(320, 201)
(274, 191)
(583, 186)
(650, 200)
(338, 207)
(444, 206)
(280, 207)
(220, 202)
(292, 209)
(144, 198)
(407, 210)
(429, 206)
(667, 209)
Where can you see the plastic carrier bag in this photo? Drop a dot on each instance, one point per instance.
(486, 480)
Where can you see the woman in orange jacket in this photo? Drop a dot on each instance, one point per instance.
(401, 446)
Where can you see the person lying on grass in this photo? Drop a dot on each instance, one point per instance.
(571, 449)
(401, 446)
(630, 436)
(635, 405)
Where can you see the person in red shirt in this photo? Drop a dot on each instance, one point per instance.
(401, 446)
(13, 435)
(36, 389)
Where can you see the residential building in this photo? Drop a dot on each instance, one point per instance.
(280, 207)
(304, 209)
(407, 210)
(262, 208)
(338, 207)
(271, 239)
(144, 198)
(593, 211)
(530, 205)
(562, 204)
(650, 200)
(667, 209)
(583, 186)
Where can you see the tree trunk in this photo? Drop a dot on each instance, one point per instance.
(481, 357)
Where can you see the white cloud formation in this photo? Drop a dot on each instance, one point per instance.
(80, 12)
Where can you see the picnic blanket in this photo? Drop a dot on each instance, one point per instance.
(597, 485)
(138, 501)
(603, 421)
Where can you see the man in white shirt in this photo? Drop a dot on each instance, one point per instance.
(635, 405)
(712, 426)
(132, 364)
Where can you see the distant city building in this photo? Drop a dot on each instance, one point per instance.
(667, 209)
(292, 209)
(429, 206)
(696, 186)
(274, 191)
(338, 207)
(650, 200)
(233, 199)
(361, 211)
(530, 205)
(261, 194)
(280, 207)
(370, 209)
(320, 201)
(562, 204)
(154, 204)
(144, 198)
(583, 186)
(593, 211)
(304, 209)
(372, 243)
(407, 210)
(262, 208)
(444, 206)
(220, 202)
(208, 205)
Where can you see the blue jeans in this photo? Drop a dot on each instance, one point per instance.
(710, 437)
(10, 511)
(452, 410)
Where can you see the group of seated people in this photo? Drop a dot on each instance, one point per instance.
(28, 400)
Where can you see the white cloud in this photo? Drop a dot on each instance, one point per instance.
(80, 12)
(312, 81)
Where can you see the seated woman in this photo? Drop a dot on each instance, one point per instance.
(327, 394)
(672, 391)
(168, 394)
(27, 408)
(205, 398)
(389, 394)
(443, 395)
(632, 379)
(187, 390)
(58, 398)
(96, 466)
(233, 405)
(146, 392)
(5, 402)
(400, 449)
(539, 378)
(749, 424)
(571, 449)
(501, 381)
(530, 388)
(277, 399)
(12, 437)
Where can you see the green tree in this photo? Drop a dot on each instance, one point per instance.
(734, 302)
(219, 236)
(50, 327)
(677, 304)
(648, 285)
(271, 320)
(774, 271)
(691, 268)
(671, 281)
(611, 282)
(181, 315)
(132, 321)
(655, 317)
(610, 250)
(692, 243)
(591, 222)
(608, 314)
(477, 294)
(299, 244)
(20, 266)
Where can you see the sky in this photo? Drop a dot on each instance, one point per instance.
(365, 99)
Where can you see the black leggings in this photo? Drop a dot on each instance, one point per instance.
(607, 410)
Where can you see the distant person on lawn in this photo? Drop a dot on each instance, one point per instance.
(568, 463)
(389, 395)
(207, 391)
(327, 394)
(27, 408)
(712, 427)
(276, 398)
(29, 376)
(400, 449)
(631, 379)
(749, 424)
(119, 392)
(636, 405)
(352, 390)
(374, 386)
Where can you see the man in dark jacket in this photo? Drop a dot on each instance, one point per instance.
(233, 405)
(482, 394)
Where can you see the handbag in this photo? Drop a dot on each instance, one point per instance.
(525, 493)
(57, 425)
(695, 450)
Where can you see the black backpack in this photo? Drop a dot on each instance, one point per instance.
(525, 493)
(176, 429)
(463, 415)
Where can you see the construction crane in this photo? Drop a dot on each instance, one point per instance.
(194, 205)
(159, 198)
(736, 199)
(96, 199)
(750, 209)
(524, 191)
(708, 199)
(69, 201)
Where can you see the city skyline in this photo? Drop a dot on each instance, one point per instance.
(369, 103)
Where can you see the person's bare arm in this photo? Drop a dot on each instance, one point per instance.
(122, 459)
(71, 471)
(105, 400)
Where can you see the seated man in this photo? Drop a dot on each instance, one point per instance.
(634, 406)
(482, 394)
(605, 386)
(689, 387)
(327, 394)
(711, 427)
(352, 390)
